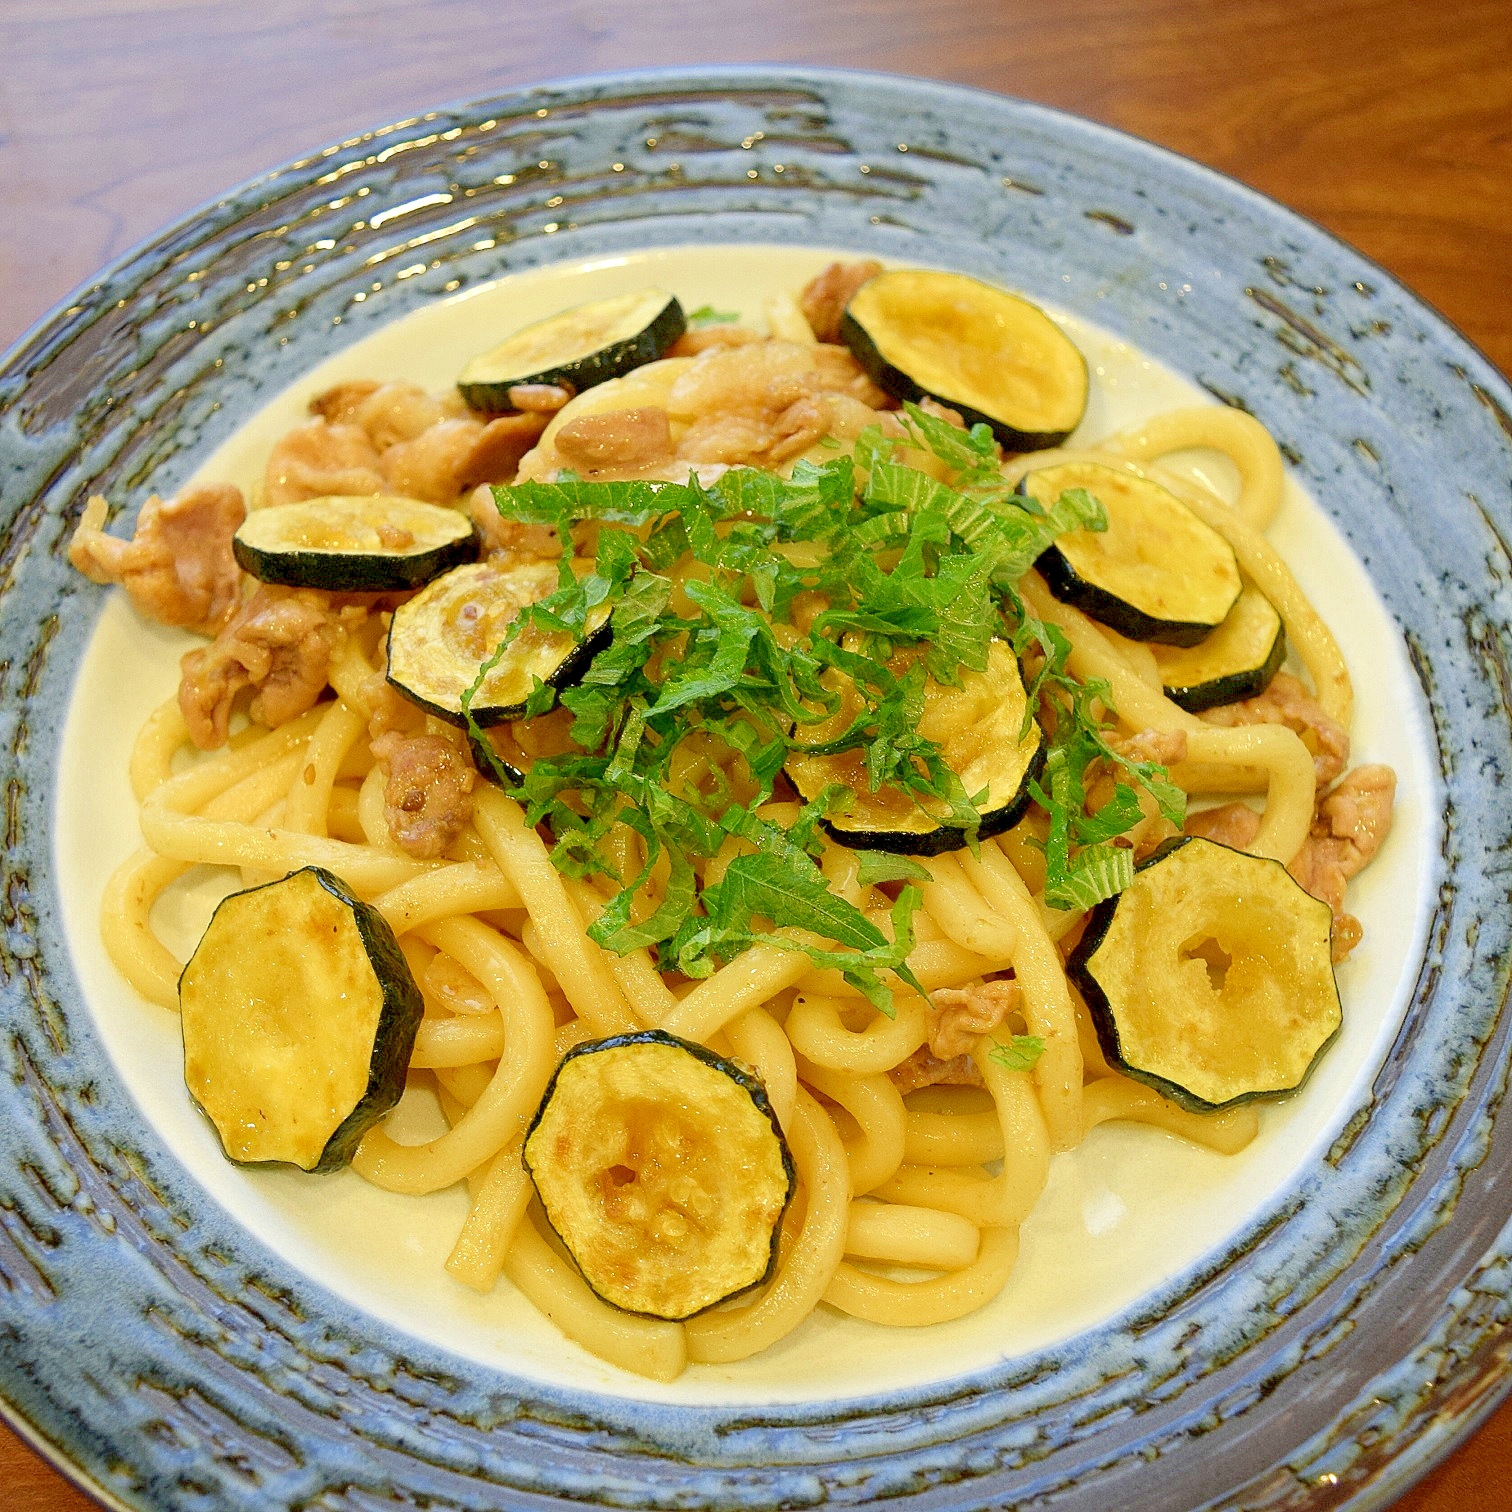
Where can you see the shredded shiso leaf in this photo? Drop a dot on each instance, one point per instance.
(781, 583)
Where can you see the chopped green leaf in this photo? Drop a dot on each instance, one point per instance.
(1021, 1053)
(883, 866)
(1096, 873)
(768, 887)
(967, 451)
(682, 725)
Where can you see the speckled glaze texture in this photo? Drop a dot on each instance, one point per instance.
(1357, 1329)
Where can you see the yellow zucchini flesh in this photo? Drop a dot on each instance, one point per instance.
(1210, 977)
(1236, 661)
(663, 1170)
(440, 639)
(988, 354)
(980, 727)
(576, 349)
(299, 1015)
(1157, 573)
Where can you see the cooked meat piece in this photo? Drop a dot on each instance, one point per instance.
(757, 403)
(511, 539)
(849, 417)
(495, 457)
(177, 568)
(1351, 823)
(728, 439)
(761, 379)
(427, 794)
(319, 458)
(960, 1016)
(388, 709)
(540, 398)
(434, 465)
(840, 373)
(824, 298)
(616, 440)
(925, 1069)
(396, 412)
(1347, 831)
(1234, 824)
(705, 339)
(340, 404)
(279, 642)
(1165, 747)
(1287, 702)
(797, 428)
(1358, 811)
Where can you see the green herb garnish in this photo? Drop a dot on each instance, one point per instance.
(1082, 866)
(707, 315)
(1021, 1053)
(683, 723)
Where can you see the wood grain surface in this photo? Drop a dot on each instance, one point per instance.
(1388, 121)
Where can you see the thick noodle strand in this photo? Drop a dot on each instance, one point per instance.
(501, 1113)
(916, 1304)
(575, 961)
(1240, 437)
(646, 1346)
(736, 1333)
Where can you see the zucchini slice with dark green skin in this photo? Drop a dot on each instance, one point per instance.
(441, 637)
(1157, 573)
(1210, 977)
(993, 357)
(378, 543)
(1236, 661)
(979, 725)
(663, 1170)
(576, 349)
(299, 1016)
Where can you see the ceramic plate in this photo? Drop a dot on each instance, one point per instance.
(1308, 1325)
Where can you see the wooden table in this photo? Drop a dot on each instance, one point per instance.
(1388, 121)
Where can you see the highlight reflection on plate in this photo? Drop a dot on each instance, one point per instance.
(1305, 1324)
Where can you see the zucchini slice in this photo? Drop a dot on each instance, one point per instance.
(1236, 661)
(441, 637)
(575, 349)
(663, 1170)
(978, 724)
(377, 543)
(299, 1016)
(986, 353)
(1210, 977)
(1157, 573)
